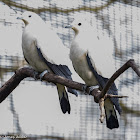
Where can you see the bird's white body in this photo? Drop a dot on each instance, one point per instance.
(99, 50)
(48, 41)
(44, 50)
(92, 59)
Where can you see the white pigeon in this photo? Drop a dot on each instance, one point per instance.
(44, 50)
(92, 59)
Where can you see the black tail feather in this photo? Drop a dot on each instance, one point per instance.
(65, 105)
(111, 120)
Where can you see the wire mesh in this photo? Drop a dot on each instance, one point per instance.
(32, 111)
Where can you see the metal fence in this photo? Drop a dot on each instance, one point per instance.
(32, 110)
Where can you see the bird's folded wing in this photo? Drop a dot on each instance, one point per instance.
(102, 82)
(61, 70)
(101, 54)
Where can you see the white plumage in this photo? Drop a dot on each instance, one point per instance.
(92, 59)
(44, 50)
(38, 33)
(100, 50)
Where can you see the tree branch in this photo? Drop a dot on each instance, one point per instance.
(131, 63)
(56, 9)
(99, 96)
(22, 73)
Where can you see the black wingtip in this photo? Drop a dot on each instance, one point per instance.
(112, 122)
(73, 91)
(65, 105)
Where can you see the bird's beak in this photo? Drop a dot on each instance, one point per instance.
(19, 18)
(72, 27)
(68, 26)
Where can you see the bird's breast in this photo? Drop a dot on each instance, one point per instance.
(81, 67)
(31, 54)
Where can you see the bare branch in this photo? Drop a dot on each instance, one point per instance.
(113, 96)
(131, 63)
(55, 9)
(101, 104)
(10, 85)
(22, 73)
(99, 96)
(128, 64)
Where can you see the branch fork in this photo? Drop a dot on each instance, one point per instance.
(101, 96)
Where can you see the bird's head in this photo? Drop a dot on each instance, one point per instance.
(79, 25)
(30, 17)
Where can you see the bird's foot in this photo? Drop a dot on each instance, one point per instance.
(85, 87)
(89, 89)
(36, 75)
(42, 74)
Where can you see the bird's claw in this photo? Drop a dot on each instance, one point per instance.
(36, 75)
(91, 88)
(85, 89)
(42, 74)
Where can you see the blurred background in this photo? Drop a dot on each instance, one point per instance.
(32, 110)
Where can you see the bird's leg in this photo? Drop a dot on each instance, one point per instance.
(36, 75)
(85, 89)
(91, 88)
(42, 74)
(94, 91)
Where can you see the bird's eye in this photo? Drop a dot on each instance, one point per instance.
(79, 24)
(29, 16)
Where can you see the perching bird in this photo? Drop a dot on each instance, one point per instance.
(92, 59)
(43, 50)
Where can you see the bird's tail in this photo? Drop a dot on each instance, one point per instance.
(63, 98)
(111, 116)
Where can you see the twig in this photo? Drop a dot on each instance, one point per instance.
(101, 104)
(131, 63)
(113, 96)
